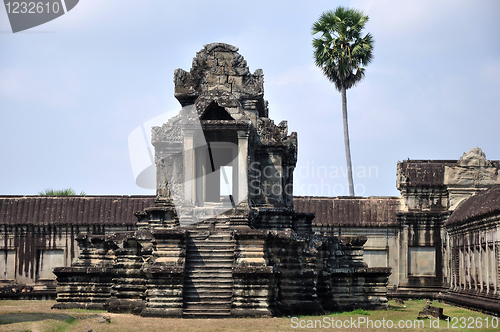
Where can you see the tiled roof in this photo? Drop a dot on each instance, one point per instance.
(112, 210)
(118, 210)
(481, 205)
(350, 211)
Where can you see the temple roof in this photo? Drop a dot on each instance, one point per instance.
(329, 211)
(349, 211)
(118, 210)
(484, 204)
(80, 210)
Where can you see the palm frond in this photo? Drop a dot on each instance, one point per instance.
(341, 50)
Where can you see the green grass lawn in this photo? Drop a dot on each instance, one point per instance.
(401, 317)
(37, 316)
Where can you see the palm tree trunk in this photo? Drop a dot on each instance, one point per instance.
(346, 142)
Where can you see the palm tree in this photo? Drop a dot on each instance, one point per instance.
(340, 52)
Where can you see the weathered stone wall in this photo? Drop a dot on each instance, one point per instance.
(30, 252)
(39, 233)
(422, 251)
(474, 242)
(372, 217)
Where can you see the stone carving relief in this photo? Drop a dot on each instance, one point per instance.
(472, 173)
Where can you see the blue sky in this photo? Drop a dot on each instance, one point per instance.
(72, 90)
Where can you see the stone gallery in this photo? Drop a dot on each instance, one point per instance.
(224, 235)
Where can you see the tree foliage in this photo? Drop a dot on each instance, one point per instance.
(341, 51)
(62, 192)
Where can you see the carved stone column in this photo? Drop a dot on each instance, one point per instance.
(242, 195)
(189, 166)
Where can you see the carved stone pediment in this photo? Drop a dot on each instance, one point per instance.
(473, 170)
(475, 157)
(219, 66)
(168, 132)
(472, 173)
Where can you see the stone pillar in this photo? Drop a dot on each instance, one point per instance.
(403, 256)
(486, 266)
(242, 167)
(497, 254)
(189, 166)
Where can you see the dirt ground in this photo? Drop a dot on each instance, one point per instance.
(37, 316)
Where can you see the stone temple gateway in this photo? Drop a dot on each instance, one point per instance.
(222, 237)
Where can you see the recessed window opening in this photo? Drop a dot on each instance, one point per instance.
(217, 182)
(226, 184)
(216, 112)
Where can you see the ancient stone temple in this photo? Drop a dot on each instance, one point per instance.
(222, 237)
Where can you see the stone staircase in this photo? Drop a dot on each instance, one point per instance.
(208, 281)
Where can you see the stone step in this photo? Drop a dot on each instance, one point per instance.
(223, 238)
(197, 288)
(204, 286)
(208, 287)
(221, 284)
(207, 303)
(212, 246)
(205, 289)
(210, 267)
(212, 243)
(226, 271)
(211, 262)
(199, 262)
(208, 278)
(205, 233)
(206, 313)
(201, 278)
(192, 295)
(209, 283)
(214, 256)
(207, 254)
(207, 306)
(208, 274)
(219, 276)
(208, 299)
